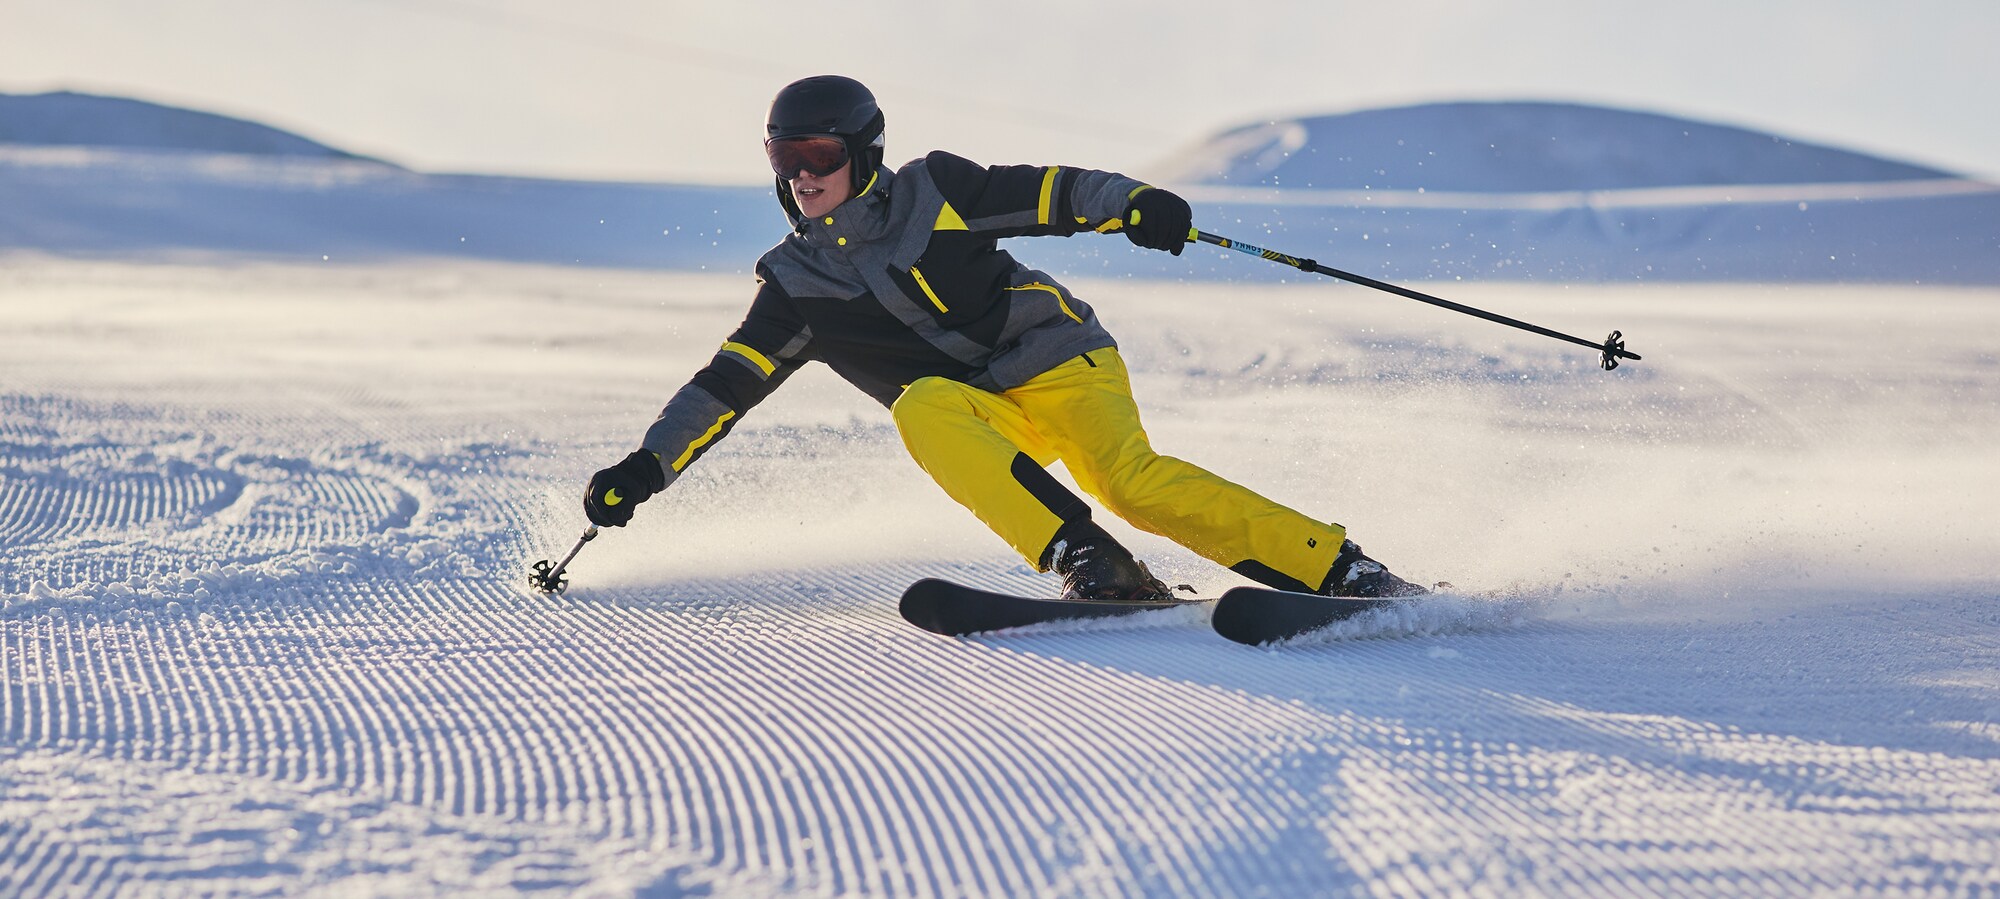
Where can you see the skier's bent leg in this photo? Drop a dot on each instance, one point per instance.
(1085, 410)
(1224, 521)
(982, 450)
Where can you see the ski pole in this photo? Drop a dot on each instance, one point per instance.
(550, 580)
(1609, 352)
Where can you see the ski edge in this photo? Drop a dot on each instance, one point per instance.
(919, 607)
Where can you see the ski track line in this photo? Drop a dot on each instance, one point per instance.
(123, 827)
(34, 512)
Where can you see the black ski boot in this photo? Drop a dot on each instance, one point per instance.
(1095, 567)
(1354, 574)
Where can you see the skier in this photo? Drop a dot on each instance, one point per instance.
(991, 370)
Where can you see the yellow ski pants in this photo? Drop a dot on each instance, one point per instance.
(989, 450)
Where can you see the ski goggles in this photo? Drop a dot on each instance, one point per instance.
(819, 155)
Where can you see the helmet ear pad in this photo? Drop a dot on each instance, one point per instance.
(789, 202)
(864, 152)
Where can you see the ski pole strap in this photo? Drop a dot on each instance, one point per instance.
(1609, 352)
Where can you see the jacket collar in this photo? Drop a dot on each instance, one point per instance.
(864, 217)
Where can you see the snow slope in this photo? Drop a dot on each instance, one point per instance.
(1727, 622)
(66, 118)
(1516, 147)
(1515, 191)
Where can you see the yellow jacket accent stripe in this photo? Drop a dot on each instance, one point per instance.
(1048, 192)
(926, 285)
(1058, 294)
(756, 358)
(949, 220)
(688, 456)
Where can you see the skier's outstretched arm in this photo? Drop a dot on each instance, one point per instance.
(1032, 200)
(772, 342)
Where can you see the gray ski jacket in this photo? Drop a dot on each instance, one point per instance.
(905, 280)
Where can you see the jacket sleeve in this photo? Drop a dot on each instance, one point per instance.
(771, 344)
(1029, 200)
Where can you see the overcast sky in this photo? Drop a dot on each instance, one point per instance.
(660, 90)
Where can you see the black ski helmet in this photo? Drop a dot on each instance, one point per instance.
(829, 104)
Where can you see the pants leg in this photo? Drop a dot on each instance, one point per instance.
(984, 452)
(1084, 411)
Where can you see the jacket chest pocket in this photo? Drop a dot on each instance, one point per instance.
(949, 294)
(1042, 293)
(929, 292)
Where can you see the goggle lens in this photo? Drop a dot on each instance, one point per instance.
(818, 156)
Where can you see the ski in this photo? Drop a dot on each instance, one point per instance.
(1257, 615)
(953, 610)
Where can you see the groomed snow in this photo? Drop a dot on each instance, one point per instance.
(1725, 619)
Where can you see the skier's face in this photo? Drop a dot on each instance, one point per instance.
(817, 195)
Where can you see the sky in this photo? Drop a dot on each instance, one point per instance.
(677, 91)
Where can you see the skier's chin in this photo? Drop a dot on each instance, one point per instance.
(816, 200)
(813, 203)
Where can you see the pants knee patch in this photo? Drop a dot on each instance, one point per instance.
(1047, 490)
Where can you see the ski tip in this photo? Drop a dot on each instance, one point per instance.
(1236, 618)
(922, 606)
(1255, 616)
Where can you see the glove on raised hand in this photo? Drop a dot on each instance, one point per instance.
(1158, 220)
(615, 490)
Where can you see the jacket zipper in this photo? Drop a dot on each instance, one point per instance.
(926, 285)
(1037, 285)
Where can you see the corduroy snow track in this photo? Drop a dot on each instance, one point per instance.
(265, 631)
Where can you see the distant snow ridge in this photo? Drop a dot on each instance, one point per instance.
(1566, 192)
(1509, 191)
(64, 118)
(1516, 147)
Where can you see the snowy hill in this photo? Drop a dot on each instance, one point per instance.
(70, 119)
(1518, 191)
(1560, 192)
(1515, 147)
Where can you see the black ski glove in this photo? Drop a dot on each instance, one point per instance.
(1158, 220)
(615, 490)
